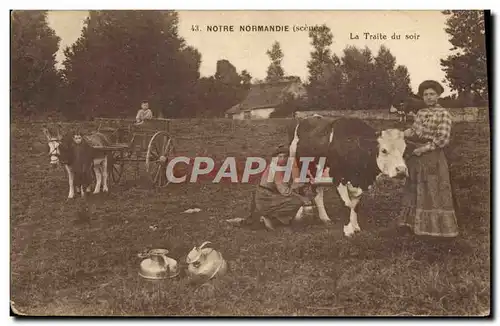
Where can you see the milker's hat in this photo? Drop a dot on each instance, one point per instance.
(430, 84)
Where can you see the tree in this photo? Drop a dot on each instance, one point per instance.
(293, 78)
(392, 83)
(275, 72)
(123, 57)
(373, 82)
(321, 39)
(384, 83)
(184, 101)
(246, 78)
(223, 90)
(323, 70)
(360, 89)
(401, 84)
(466, 69)
(357, 80)
(226, 73)
(34, 78)
(326, 92)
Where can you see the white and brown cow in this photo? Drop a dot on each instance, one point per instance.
(355, 154)
(78, 156)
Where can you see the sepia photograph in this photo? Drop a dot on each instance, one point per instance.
(332, 163)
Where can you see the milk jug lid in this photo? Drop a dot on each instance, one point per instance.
(195, 253)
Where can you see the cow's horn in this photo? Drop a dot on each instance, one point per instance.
(378, 133)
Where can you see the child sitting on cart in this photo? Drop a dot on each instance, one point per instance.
(144, 113)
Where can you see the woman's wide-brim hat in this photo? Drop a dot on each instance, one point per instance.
(430, 84)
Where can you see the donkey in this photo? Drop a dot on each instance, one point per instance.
(78, 155)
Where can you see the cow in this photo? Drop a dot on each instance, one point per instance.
(79, 156)
(356, 155)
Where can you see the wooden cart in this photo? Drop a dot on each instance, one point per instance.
(149, 143)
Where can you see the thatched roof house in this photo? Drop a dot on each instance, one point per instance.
(263, 99)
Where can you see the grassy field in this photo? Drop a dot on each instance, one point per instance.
(63, 264)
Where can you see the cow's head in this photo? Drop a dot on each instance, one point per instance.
(390, 155)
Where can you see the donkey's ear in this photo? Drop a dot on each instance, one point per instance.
(59, 128)
(46, 132)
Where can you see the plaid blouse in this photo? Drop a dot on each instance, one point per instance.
(434, 126)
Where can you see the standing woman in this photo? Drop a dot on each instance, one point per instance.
(427, 205)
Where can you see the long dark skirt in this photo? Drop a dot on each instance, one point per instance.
(275, 206)
(427, 205)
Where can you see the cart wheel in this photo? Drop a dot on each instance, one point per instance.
(115, 166)
(160, 150)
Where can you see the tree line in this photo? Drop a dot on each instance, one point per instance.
(124, 57)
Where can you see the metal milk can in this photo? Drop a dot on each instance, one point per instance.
(157, 265)
(205, 263)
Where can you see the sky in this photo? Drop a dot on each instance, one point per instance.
(247, 50)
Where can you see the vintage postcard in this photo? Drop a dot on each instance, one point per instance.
(250, 163)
